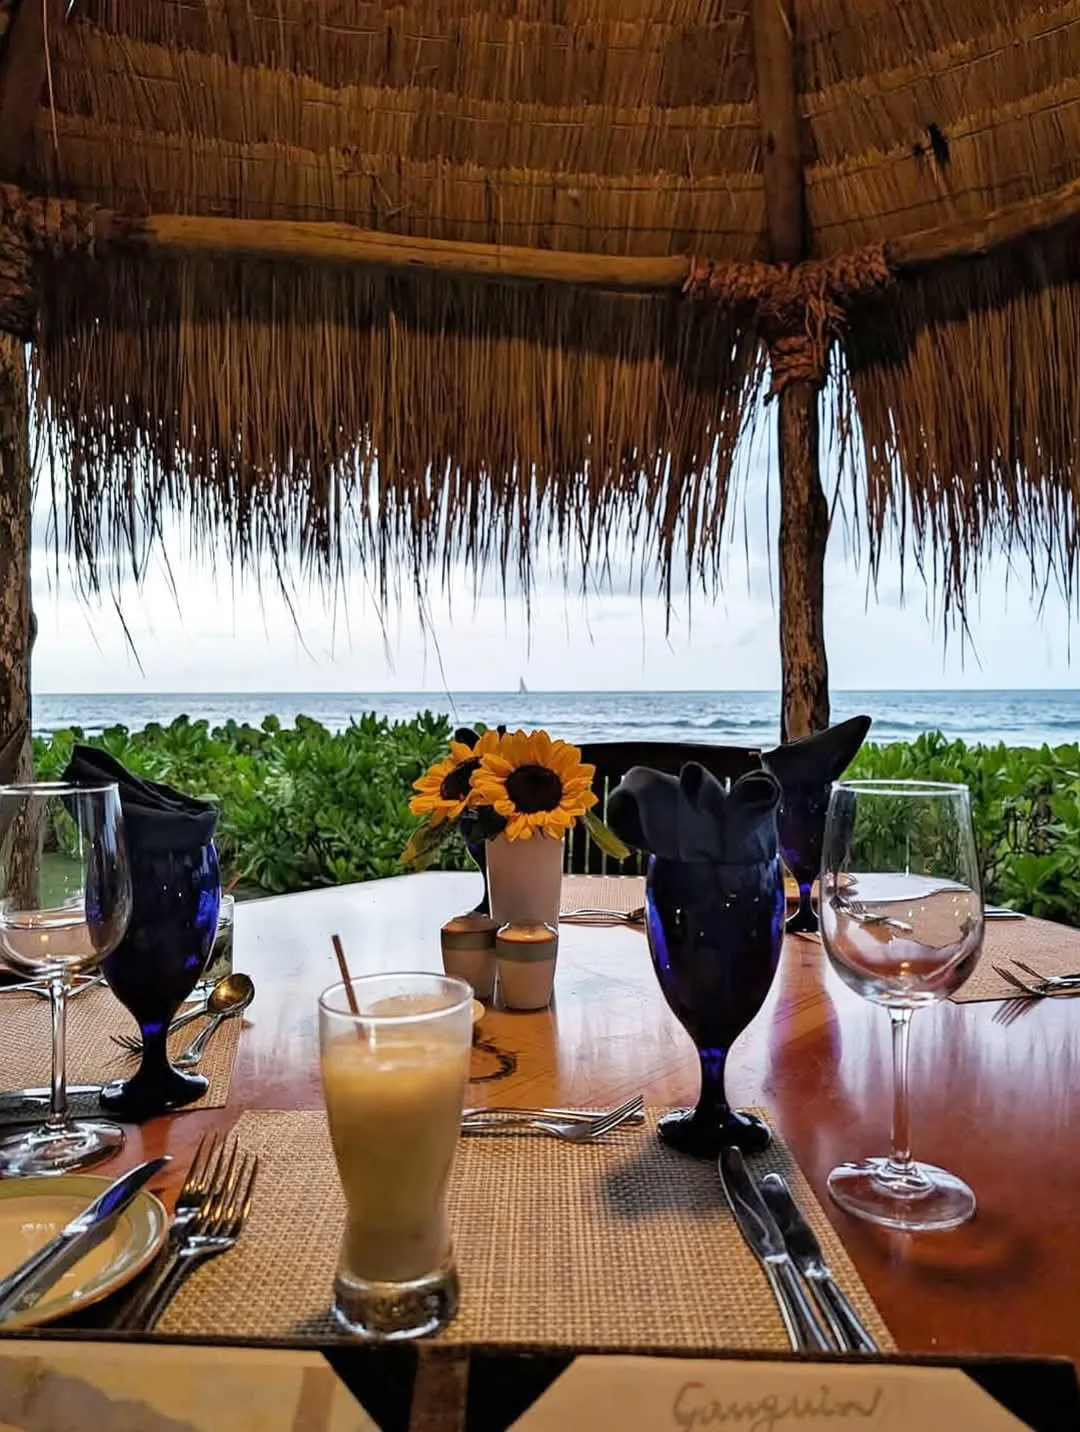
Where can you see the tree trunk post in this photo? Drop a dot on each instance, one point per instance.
(15, 534)
(804, 534)
(804, 518)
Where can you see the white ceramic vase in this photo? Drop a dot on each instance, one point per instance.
(525, 880)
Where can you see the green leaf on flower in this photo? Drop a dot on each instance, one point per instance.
(425, 843)
(606, 839)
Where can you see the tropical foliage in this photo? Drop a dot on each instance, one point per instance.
(307, 807)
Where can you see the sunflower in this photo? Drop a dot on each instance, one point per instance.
(444, 792)
(539, 786)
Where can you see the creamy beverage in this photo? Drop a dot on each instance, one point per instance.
(394, 1110)
(394, 1073)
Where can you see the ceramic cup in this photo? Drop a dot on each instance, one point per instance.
(468, 951)
(525, 956)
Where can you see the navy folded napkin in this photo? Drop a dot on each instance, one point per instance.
(156, 817)
(820, 759)
(691, 817)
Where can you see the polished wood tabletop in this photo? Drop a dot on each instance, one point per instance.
(997, 1103)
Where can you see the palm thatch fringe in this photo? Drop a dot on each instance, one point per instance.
(970, 441)
(300, 413)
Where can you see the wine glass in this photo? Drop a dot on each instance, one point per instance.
(65, 901)
(901, 915)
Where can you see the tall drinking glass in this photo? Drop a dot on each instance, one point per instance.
(394, 1077)
(65, 901)
(901, 916)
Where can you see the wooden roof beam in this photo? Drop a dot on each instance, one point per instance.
(23, 67)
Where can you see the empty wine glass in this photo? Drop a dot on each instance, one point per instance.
(901, 914)
(65, 900)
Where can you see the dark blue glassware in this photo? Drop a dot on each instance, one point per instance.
(477, 849)
(176, 896)
(800, 823)
(715, 933)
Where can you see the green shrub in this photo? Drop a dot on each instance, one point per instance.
(299, 808)
(1026, 810)
(305, 807)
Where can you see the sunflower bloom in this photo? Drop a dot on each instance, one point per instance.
(444, 791)
(539, 786)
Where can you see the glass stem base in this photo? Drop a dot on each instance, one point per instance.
(392, 1312)
(57, 1148)
(703, 1132)
(914, 1197)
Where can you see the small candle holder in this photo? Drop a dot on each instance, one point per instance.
(468, 951)
(525, 956)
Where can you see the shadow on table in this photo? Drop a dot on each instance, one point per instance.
(655, 1181)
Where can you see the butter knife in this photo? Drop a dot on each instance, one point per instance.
(758, 1227)
(41, 1270)
(839, 1316)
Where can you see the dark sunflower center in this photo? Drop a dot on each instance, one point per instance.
(534, 788)
(455, 785)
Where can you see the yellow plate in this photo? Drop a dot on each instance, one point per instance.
(33, 1210)
(477, 1012)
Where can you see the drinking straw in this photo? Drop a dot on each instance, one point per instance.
(346, 977)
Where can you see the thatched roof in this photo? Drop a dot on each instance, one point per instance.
(300, 386)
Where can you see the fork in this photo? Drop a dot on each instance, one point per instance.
(858, 911)
(215, 1229)
(1046, 979)
(1045, 991)
(570, 1131)
(203, 1176)
(507, 1114)
(133, 1044)
(604, 917)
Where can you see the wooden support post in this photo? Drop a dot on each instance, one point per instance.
(23, 69)
(15, 532)
(804, 524)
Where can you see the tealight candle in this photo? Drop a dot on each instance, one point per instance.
(468, 951)
(525, 956)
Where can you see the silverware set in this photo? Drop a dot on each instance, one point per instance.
(229, 997)
(816, 1313)
(211, 1210)
(210, 1213)
(604, 917)
(573, 1126)
(1038, 986)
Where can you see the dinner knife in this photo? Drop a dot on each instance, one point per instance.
(758, 1227)
(840, 1317)
(26, 1284)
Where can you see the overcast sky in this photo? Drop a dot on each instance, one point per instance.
(205, 636)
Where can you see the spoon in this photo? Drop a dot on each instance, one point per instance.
(230, 996)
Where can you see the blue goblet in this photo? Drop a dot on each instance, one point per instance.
(715, 933)
(800, 824)
(176, 896)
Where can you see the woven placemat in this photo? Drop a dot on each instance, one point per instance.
(602, 892)
(93, 1017)
(1049, 948)
(617, 1244)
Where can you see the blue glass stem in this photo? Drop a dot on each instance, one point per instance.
(803, 920)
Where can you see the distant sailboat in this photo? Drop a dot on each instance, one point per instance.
(523, 690)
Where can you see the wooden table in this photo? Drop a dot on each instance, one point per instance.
(999, 1105)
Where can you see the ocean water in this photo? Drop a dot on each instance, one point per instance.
(740, 718)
